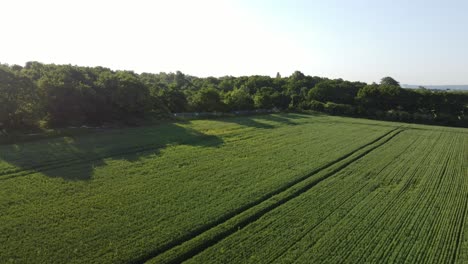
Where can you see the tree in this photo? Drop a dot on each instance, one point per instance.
(207, 99)
(175, 100)
(262, 101)
(239, 99)
(297, 76)
(267, 98)
(130, 96)
(296, 101)
(369, 96)
(18, 100)
(227, 84)
(337, 91)
(383, 97)
(62, 95)
(257, 82)
(280, 100)
(389, 81)
(296, 82)
(122, 95)
(71, 95)
(179, 79)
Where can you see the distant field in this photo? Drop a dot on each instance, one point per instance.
(272, 188)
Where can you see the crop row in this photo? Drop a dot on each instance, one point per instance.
(122, 208)
(31, 157)
(204, 240)
(405, 202)
(280, 230)
(394, 233)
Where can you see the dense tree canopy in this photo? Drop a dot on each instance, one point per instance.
(64, 95)
(18, 99)
(389, 81)
(337, 91)
(239, 99)
(207, 99)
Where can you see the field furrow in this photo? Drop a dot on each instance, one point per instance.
(192, 247)
(121, 209)
(277, 188)
(410, 210)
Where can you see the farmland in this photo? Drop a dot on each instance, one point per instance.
(271, 188)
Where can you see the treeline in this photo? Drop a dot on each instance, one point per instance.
(65, 95)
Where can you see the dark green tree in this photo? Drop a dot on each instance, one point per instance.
(389, 81)
(175, 100)
(239, 99)
(18, 100)
(207, 99)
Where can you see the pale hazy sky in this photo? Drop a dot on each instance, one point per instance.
(414, 41)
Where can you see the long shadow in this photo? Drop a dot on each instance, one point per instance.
(266, 121)
(247, 121)
(304, 115)
(282, 119)
(76, 158)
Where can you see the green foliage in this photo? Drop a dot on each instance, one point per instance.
(75, 96)
(298, 102)
(280, 100)
(389, 81)
(129, 95)
(175, 100)
(18, 100)
(66, 95)
(239, 99)
(268, 98)
(384, 97)
(296, 82)
(316, 105)
(339, 109)
(63, 97)
(334, 91)
(207, 99)
(262, 99)
(397, 115)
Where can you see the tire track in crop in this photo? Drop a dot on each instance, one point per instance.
(417, 204)
(307, 231)
(376, 213)
(247, 214)
(313, 242)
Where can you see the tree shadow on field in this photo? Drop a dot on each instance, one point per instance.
(266, 121)
(281, 119)
(305, 115)
(75, 158)
(247, 121)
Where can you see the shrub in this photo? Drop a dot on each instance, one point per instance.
(316, 105)
(339, 109)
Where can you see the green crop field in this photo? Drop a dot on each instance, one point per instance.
(272, 188)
